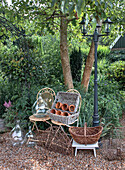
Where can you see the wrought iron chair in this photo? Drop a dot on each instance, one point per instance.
(80, 102)
(60, 131)
(48, 95)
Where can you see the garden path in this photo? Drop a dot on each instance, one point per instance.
(39, 158)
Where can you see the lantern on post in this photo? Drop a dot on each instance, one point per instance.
(96, 36)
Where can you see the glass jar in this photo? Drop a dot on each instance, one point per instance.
(16, 134)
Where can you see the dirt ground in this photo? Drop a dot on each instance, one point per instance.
(111, 156)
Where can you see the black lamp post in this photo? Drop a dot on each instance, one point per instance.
(96, 36)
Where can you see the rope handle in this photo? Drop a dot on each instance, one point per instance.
(85, 126)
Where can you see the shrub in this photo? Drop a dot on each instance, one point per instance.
(103, 52)
(76, 64)
(4, 93)
(22, 69)
(102, 66)
(118, 55)
(52, 60)
(22, 102)
(109, 103)
(116, 71)
(87, 108)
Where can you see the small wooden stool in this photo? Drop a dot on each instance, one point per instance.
(82, 146)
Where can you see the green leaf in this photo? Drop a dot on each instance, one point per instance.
(74, 22)
(53, 3)
(80, 6)
(71, 8)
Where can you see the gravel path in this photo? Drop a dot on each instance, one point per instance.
(39, 158)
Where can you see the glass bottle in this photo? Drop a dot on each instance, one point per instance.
(30, 137)
(16, 134)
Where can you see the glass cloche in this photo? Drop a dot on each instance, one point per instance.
(16, 134)
(40, 107)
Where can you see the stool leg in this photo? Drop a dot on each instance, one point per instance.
(94, 152)
(75, 151)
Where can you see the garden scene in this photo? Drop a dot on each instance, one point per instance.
(62, 84)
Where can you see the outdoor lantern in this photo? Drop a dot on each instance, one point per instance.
(107, 23)
(83, 24)
(96, 36)
(98, 27)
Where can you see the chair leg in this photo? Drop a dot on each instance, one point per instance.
(47, 141)
(69, 144)
(35, 125)
(54, 136)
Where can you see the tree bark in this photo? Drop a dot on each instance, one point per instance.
(64, 54)
(89, 63)
(88, 68)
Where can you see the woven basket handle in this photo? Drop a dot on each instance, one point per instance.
(85, 126)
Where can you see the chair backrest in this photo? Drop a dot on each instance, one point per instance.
(80, 101)
(48, 95)
(76, 91)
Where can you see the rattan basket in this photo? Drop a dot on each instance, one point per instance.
(86, 135)
(70, 99)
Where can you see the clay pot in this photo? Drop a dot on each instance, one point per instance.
(71, 108)
(65, 107)
(53, 111)
(58, 112)
(58, 105)
(65, 114)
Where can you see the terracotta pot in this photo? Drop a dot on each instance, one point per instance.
(58, 112)
(65, 114)
(65, 107)
(53, 111)
(71, 108)
(58, 105)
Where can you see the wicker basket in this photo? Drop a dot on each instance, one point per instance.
(70, 99)
(86, 135)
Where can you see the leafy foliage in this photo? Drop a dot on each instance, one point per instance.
(52, 60)
(25, 72)
(76, 64)
(117, 71)
(103, 52)
(110, 100)
(109, 105)
(117, 55)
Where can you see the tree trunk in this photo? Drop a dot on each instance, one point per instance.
(64, 54)
(88, 68)
(89, 63)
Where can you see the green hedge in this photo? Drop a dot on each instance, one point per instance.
(117, 56)
(76, 64)
(117, 71)
(102, 52)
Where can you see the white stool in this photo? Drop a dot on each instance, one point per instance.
(82, 146)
